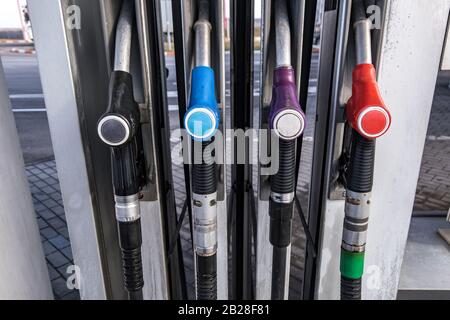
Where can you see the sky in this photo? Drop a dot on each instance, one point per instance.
(9, 14)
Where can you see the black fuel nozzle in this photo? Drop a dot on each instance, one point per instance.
(119, 128)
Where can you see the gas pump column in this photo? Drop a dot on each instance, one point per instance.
(201, 122)
(119, 128)
(370, 119)
(287, 121)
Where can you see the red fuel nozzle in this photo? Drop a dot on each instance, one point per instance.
(366, 111)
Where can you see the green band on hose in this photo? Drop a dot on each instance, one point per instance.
(352, 264)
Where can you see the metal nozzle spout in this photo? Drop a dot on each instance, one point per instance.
(282, 34)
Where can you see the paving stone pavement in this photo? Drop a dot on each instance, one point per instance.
(48, 205)
(433, 188)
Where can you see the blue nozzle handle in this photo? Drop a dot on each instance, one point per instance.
(202, 117)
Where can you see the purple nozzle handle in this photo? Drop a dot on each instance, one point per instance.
(286, 117)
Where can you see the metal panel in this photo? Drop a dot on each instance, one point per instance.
(62, 110)
(445, 63)
(155, 93)
(300, 41)
(23, 269)
(75, 67)
(407, 77)
(325, 116)
(264, 250)
(242, 24)
(154, 246)
(217, 19)
(185, 16)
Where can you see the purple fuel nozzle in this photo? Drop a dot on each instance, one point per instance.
(286, 117)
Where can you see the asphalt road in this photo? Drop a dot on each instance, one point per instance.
(22, 77)
(27, 101)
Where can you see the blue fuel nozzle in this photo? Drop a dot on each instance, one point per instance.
(202, 118)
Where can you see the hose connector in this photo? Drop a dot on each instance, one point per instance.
(203, 117)
(286, 117)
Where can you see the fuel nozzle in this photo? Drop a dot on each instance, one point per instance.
(202, 119)
(201, 122)
(366, 111)
(119, 125)
(286, 117)
(369, 117)
(119, 128)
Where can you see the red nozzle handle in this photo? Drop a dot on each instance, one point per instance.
(366, 111)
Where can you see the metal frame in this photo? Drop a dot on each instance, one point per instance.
(335, 26)
(395, 180)
(184, 17)
(155, 65)
(75, 66)
(81, 200)
(242, 13)
(303, 15)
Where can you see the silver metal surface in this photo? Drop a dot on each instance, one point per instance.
(282, 197)
(124, 33)
(363, 42)
(351, 248)
(289, 124)
(83, 203)
(154, 257)
(116, 121)
(218, 61)
(287, 272)
(336, 132)
(204, 208)
(202, 43)
(297, 15)
(445, 62)
(395, 180)
(354, 239)
(357, 205)
(127, 208)
(282, 34)
(203, 35)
